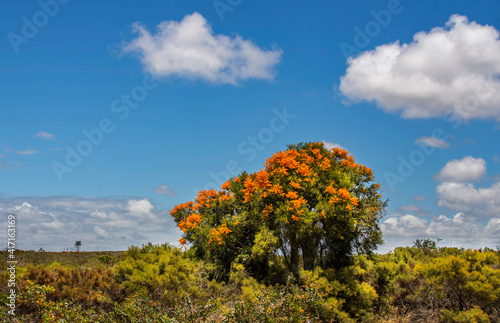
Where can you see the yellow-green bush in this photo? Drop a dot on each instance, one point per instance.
(159, 270)
(159, 283)
(474, 315)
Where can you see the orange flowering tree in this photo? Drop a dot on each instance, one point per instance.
(308, 203)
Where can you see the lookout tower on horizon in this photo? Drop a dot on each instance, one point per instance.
(78, 245)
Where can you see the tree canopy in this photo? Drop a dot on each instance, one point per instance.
(310, 205)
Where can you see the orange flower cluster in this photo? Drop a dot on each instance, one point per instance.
(292, 195)
(286, 159)
(224, 197)
(331, 190)
(226, 186)
(298, 202)
(268, 209)
(340, 153)
(262, 179)
(304, 170)
(294, 184)
(306, 158)
(254, 182)
(334, 199)
(325, 164)
(367, 171)
(250, 186)
(349, 162)
(344, 193)
(190, 222)
(187, 205)
(341, 194)
(203, 198)
(277, 189)
(182, 241)
(217, 233)
(316, 152)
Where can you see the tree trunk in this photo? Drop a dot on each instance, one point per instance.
(309, 256)
(294, 256)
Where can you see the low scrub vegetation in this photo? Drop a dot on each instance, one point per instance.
(160, 283)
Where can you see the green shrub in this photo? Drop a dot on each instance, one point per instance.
(474, 315)
(159, 270)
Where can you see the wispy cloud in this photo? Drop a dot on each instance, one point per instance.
(433, 142)
(45, 135)
(413, 209)
(440, 71)
(420, 198)
(5, 148)
(7, 164)
(26, 152)
(190, 49)
(4, 166)
(165, 190)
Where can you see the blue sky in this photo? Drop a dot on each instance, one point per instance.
(176, 96)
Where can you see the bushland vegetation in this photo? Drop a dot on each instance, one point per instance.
(293, 242)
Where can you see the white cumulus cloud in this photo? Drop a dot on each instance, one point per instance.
(55, 223)
(140, 208)
(483, 201)
(462, 170)
(455, 192)
(451, 69)
(190, 49)
(331, 145)
(458, 231)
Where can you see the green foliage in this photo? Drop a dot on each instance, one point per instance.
(311, 205)
(427, 246)
(89, 259)
(474, 315)
(159, 270)
(407, 285)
